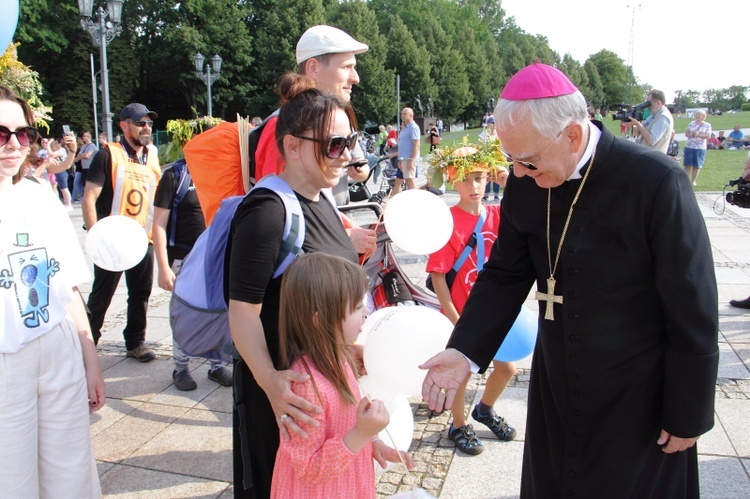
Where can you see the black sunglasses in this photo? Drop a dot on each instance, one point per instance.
(25, 135)
(141, 124)
(336, 144)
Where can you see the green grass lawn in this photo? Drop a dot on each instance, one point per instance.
(720, 165)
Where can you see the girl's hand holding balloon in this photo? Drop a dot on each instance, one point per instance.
(385, 454)
(372, 417)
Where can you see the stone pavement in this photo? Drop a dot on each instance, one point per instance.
(151, 440)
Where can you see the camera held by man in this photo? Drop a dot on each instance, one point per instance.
(740, 197)
(625, 112)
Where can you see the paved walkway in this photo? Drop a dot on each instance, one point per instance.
(151, 440)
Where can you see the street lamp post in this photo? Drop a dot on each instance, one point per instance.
(103, 32)
(207, 76)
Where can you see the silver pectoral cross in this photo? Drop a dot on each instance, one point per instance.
(550, 298)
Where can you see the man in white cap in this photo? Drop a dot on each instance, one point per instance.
(624, 370)
(328, 56)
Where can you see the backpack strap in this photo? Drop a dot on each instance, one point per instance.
(476, 237)
(182, 177)
(294, 223)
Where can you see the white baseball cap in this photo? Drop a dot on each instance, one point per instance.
(322, 39)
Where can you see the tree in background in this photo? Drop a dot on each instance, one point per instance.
(374, 98)
(279, 26)
(736, 95)
(595, 91)
(613, 74)
(15, 75)
(54, 44)
(448, 72)
(209, 27)
(459, 52)
(411, 62)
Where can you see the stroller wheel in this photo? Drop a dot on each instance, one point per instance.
(376, 198)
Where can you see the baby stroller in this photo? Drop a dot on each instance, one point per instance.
(389, 283)
(387, 180)
(358, 191)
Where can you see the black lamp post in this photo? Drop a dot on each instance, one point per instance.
(208, 77)
(103, 32)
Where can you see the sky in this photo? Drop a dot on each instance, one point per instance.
(675, 47)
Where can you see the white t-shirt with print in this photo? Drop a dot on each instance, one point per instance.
(40, 263)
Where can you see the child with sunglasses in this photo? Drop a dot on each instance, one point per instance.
(50, 378)
(322, 312)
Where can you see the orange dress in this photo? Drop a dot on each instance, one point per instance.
(321, 466)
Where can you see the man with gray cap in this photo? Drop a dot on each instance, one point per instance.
(328, 56)
(122, 180)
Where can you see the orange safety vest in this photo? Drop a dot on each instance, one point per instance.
(134, 186)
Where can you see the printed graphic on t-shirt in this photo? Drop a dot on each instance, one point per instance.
(472, 265)
(29, 274)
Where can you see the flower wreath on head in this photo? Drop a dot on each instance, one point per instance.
(457, 161)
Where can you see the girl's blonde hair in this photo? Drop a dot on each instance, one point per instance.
(317, 293)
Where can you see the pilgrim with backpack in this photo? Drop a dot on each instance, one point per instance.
(178, 223)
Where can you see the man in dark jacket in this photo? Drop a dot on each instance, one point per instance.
(624, 370)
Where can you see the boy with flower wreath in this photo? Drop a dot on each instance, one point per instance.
(475, 226)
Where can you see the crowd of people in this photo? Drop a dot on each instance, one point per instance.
(301, 426)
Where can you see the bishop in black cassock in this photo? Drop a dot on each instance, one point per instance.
(623, 376)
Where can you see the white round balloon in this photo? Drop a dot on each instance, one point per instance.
(371, 320)
(370, 388)
(399, 342)
(418, 221)
(116, 243)
(401, 428)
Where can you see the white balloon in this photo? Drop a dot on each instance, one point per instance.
(116, 243)
(399, 342)
(371, 320)
(401, 428)
(418, 221)
(370, 388)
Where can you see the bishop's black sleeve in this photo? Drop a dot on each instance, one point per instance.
(686, 283)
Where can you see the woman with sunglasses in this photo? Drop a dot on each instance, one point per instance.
(314, 134)
(50, 378)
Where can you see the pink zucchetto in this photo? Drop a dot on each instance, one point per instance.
(537, 81)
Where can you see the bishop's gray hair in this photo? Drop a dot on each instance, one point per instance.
(548, 116)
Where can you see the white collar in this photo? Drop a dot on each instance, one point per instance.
(594, 136)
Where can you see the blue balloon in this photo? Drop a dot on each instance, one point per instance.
(8, 23)
(521, 338)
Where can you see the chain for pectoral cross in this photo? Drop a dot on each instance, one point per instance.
(550, 297)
